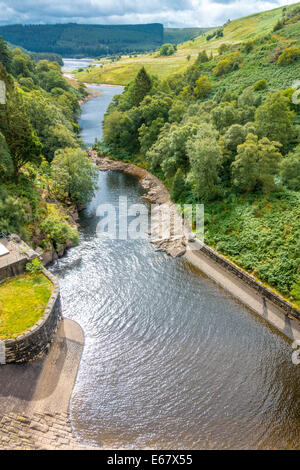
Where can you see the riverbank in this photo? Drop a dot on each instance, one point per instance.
(156, 193)
(246, 288)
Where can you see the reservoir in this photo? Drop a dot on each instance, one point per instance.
(171, 361)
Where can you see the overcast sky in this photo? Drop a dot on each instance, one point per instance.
(169, 12)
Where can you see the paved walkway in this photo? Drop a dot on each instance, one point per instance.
(34, 397)
(290, 327)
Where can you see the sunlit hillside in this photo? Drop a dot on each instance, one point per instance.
(237, 31)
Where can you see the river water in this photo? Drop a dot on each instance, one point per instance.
(170, 359)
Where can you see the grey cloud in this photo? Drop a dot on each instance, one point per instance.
(169, 12)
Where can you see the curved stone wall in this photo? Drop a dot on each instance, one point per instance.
(250, 280)
(37, 340)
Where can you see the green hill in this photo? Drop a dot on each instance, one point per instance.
(224, 131)
(233, 33)
(78, 40)
(179, 35)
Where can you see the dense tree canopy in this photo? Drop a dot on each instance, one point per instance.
(74, 176)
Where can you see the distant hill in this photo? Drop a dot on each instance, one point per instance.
(78, 40)
(178, 35)
(253, 28)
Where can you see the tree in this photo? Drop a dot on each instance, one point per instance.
(206, 161)
(202, 58)
(234, 136)
(74, 176)
(178, 185)
(202, 87)
(149, 134)
(12, 214)
(169, 152)
(58, 137)
(224, 115)
(177, 111)
(274, 119)
(256, 163)
(167, 49)
(290, 170)
(260, 85)
(23, 143)
(223, 48)
(230, 63)
(6, 163)
(142, 86)
(5, 55)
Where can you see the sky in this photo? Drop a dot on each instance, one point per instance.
(172, 13)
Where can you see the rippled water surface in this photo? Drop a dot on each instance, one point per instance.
(170, 360)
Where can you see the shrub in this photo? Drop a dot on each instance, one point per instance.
(247, 46)
(74, 175)
(34, 267)
(260, 85)
(58, 230)
(278, 25)
(167, 49)
(290, 171)
(231, 62)
(203, 87)
(223, 48)
(289, 55)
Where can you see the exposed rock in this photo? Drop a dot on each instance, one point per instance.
(168, 231)
(13, 237)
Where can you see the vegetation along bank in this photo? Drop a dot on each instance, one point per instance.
(225, 133)
(45, 176)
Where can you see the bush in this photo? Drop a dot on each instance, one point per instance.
(223, 48)
(34, 267)
(290, 171)
(57, 229)
(203, 87)
(230, 63)
(12, 214)
(260, 85)
(289, 55)
(74, 175)
(167, 49)
(278, 25)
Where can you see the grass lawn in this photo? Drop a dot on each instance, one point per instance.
(22, 303)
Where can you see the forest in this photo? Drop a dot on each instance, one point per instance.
(44, 173)
(225, 133)
(77, 40)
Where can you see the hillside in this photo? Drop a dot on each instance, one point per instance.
(40, 149)
(224, 132)
(79, 40)
(179, 35)
(234, 32)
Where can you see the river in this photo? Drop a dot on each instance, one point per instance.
(170, 359)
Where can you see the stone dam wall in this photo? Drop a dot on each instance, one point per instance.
(251, 281)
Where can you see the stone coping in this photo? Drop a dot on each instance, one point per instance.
(249, 279)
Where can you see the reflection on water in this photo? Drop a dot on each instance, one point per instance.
(73, 64)
(170, 360)
(93, 113)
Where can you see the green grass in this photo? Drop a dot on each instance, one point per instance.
(237, 31)
(23, 300)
